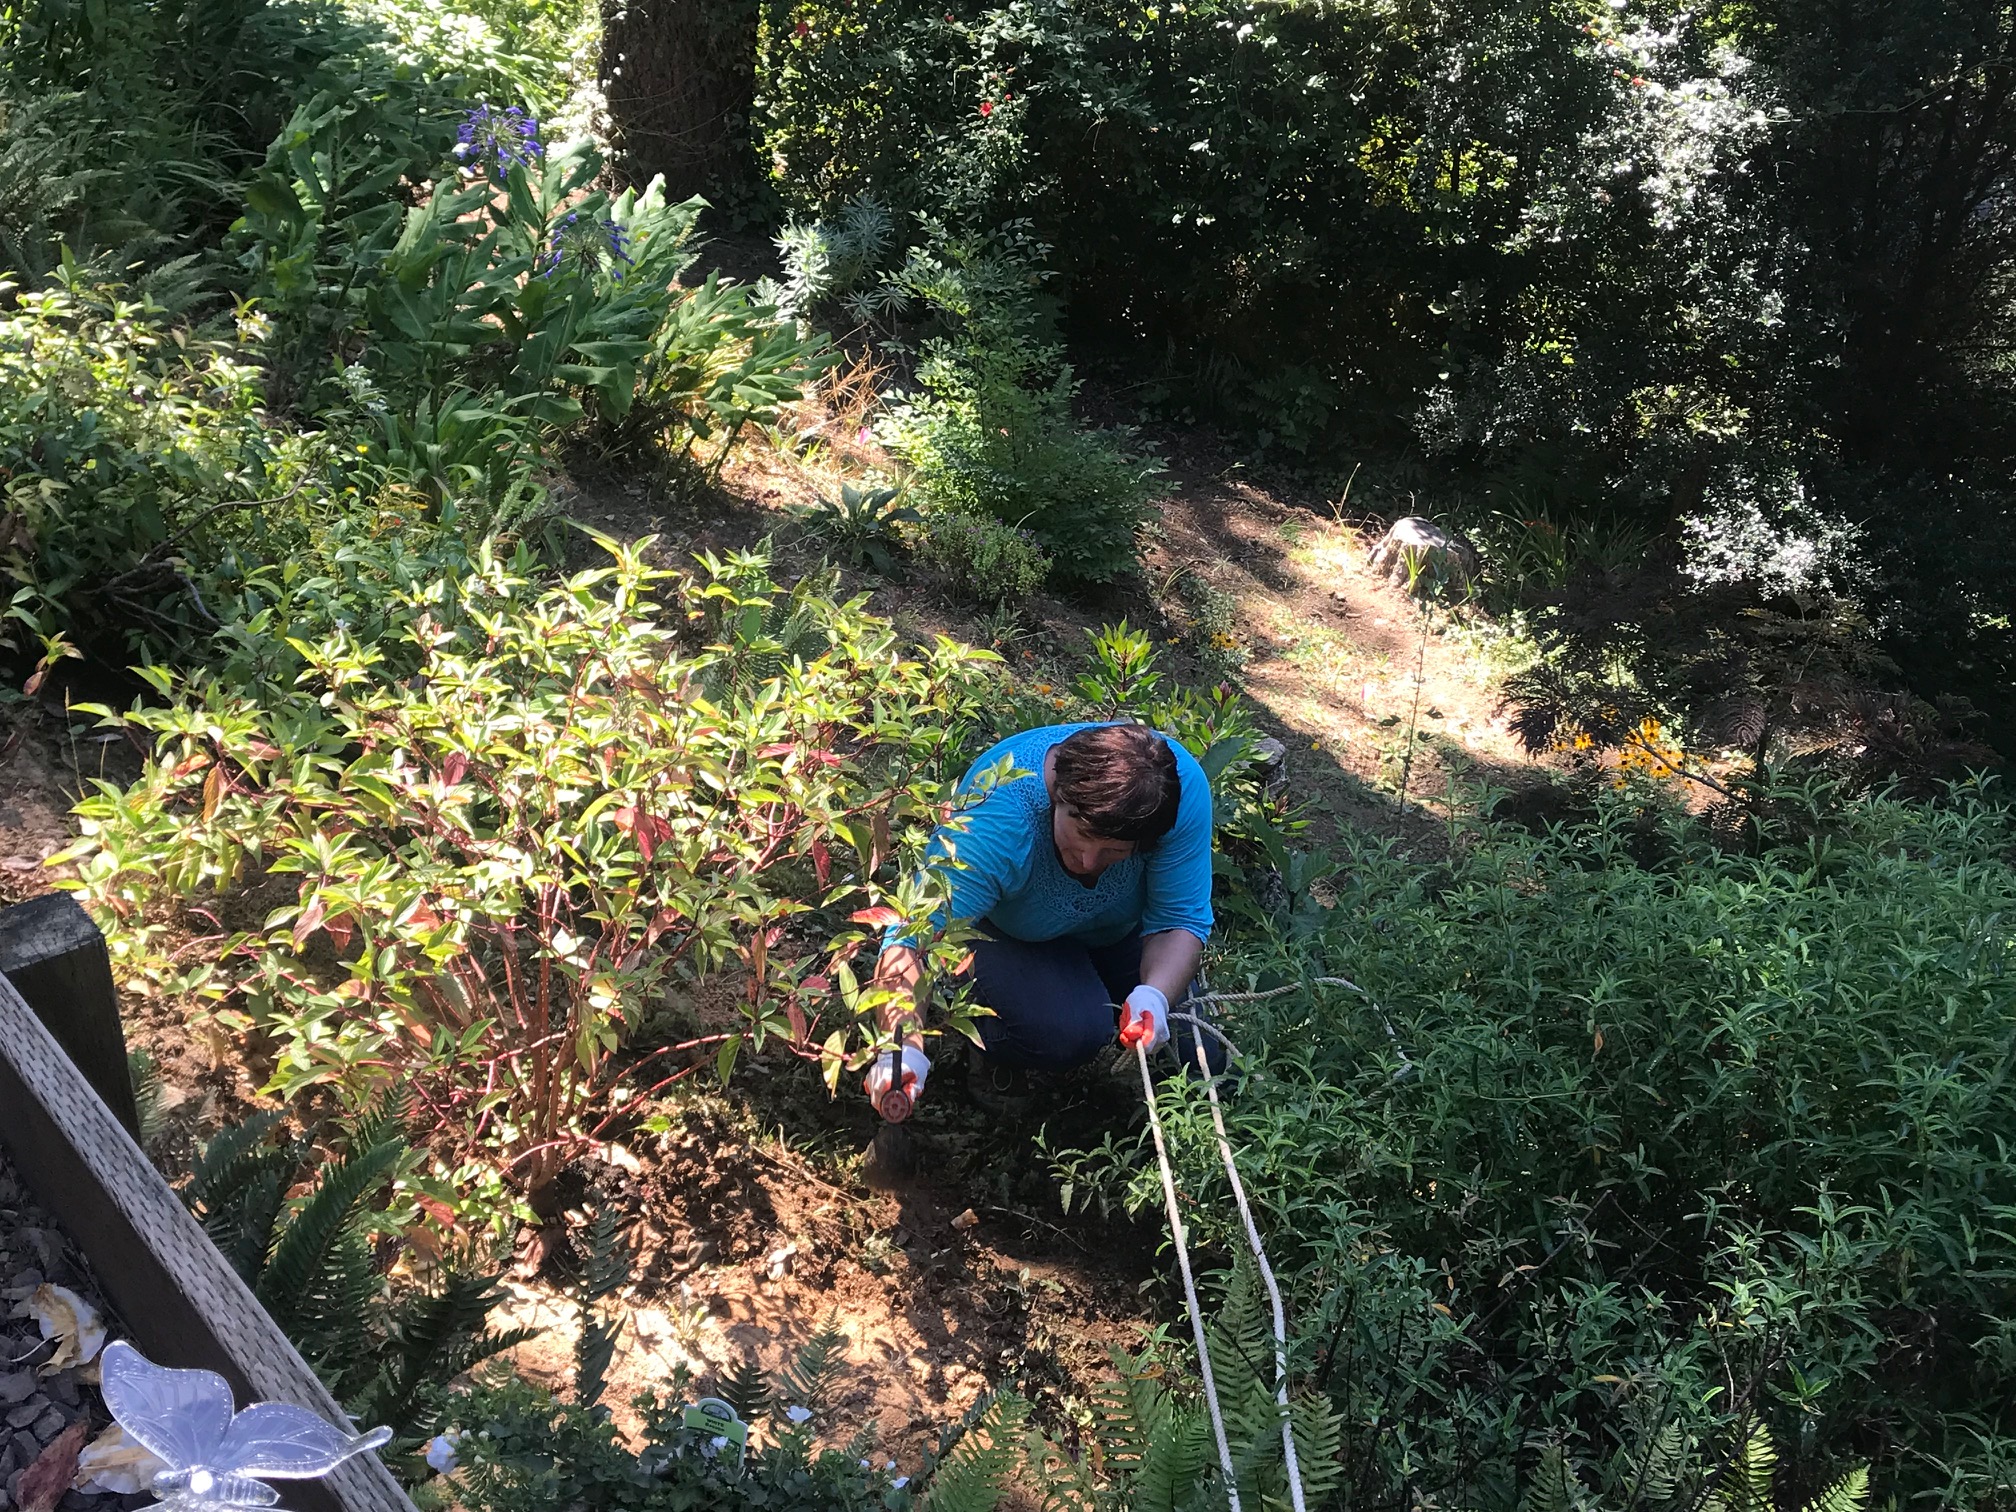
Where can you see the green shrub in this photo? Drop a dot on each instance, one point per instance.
(489, 846)
(125, 445)
(989, 430)
(984, 560)
(1626, 1114)
(152, 501)
(526, 285)
(979, 441)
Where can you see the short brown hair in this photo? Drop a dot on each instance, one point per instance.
(1120, 781)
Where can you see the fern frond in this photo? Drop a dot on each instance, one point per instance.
(1848, 1494)
(431, 1337)
(980, 1468)
(1174, 1461)
(1746, 1480)
(382, 1121)
(1241, 1335)
(816, 1370)
(605, 1269)
(1319, 1444)
(227, 1161)
(307, 1265)
(1070, 1484)
(747, 1389)
(606, 1261)
(1129, 1410)
(148, 1091)
(1555, 1487)
(1665, 1463)
(243, 1227)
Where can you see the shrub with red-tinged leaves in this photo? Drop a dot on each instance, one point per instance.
(480, 874)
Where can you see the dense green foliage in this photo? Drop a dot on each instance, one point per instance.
(519, 822)
(1652, 1145)
(1633, 1131)
(1732, 277)
(986, 428)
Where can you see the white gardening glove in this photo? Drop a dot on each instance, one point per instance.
(1144, 1018)
(883, 1078)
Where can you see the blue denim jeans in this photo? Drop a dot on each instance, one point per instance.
(1056, 1002)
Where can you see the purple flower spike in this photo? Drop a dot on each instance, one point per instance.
(589, 244)
(497, 139)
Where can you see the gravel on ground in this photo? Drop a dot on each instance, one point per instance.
(35, 1407)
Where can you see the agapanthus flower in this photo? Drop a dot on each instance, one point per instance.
(497, 139)
(585, 242)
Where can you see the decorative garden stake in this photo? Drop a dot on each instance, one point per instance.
(729, 1434)
(213, 1457)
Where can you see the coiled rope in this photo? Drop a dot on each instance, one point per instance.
(1180, 1234)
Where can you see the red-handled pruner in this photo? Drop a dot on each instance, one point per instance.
(894, 1105)
(1135, 1027)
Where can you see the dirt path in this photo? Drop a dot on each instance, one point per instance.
(1352, 673)
(1364, 687)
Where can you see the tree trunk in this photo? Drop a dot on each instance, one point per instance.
(680, 80)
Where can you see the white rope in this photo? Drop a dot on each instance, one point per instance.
(1291, 1461)
(1288, 1455)
(1189, 1283)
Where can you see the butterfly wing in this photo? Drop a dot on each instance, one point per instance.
(221, 1491)
(178, 1416)
(284, 1442)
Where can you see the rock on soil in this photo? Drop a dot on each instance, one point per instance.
(1415, 547)
(35, 1408)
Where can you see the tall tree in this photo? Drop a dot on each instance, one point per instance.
(680, 79)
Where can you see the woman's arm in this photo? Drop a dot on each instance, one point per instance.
(901, 969)
(1169, 961)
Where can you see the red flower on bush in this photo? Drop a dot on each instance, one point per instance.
(986, 107)
(804, 29)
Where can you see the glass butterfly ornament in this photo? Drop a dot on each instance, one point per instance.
(215, 1457)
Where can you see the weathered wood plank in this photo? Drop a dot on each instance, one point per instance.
(56, 959)
(184, 1304)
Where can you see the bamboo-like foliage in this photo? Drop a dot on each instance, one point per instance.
(1630, 1117)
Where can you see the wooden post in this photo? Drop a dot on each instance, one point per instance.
(56, 959)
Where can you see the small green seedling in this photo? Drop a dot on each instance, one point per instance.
(711, 1415)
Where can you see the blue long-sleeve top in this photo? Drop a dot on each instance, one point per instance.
(1009, 873)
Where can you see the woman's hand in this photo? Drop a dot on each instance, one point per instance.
(890, 1072)
(1144, 1018)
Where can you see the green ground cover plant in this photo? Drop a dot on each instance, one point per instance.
(1634, 1133)
(984, 560)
